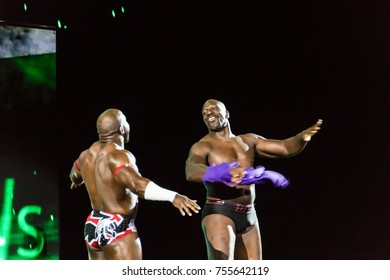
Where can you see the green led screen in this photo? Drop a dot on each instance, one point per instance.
(28, 162)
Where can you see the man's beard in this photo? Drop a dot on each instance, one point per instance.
(218, 128)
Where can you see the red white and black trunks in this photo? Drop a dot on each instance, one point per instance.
(102, 228)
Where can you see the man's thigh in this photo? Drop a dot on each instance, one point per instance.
(219, 232)
(248, 244)
(125, 248)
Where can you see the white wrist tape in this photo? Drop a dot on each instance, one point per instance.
(155, 192)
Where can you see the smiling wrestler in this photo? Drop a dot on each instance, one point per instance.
(224, 163)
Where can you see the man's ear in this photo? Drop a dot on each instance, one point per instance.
(122, 130)
(227, 114)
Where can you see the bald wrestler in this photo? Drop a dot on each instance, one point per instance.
(114, 184)
(224, 163)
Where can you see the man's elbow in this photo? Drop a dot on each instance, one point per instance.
(191, 177)
(189, 174)
(194, 172)
(76, 179)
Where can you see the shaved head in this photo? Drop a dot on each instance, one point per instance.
(214, 102)
(110, 122)
(215, 115)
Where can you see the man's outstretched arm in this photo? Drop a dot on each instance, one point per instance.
(273, 148)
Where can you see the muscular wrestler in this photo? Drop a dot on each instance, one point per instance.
(114, 184)
(224, 162)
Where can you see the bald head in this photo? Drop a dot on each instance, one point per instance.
(214, 102)
(215, 115)
(111, 122)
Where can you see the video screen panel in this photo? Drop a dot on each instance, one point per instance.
(29, 199)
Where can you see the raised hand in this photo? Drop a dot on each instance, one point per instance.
(309, 132)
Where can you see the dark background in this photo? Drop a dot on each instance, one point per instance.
(278, 67)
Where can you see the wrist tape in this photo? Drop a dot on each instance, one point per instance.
(155, 192)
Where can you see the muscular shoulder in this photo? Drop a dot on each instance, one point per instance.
(250, 138)
(90, 152)
(119, 157)
(123, 158)
(204, 145)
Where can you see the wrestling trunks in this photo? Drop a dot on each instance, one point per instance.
(102, 228)
(243, 215)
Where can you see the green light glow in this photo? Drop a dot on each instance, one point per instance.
(59, 23)
(113, 13)
(30, 230)
(25, 7)
(38, 70)
(6, 217)
(123, 9)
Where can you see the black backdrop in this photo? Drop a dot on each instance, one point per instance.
(278, 67)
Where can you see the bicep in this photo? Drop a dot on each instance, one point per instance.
(270, 148)
(198, 154)
(125, 172)
(130, 178)
(196, 163)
